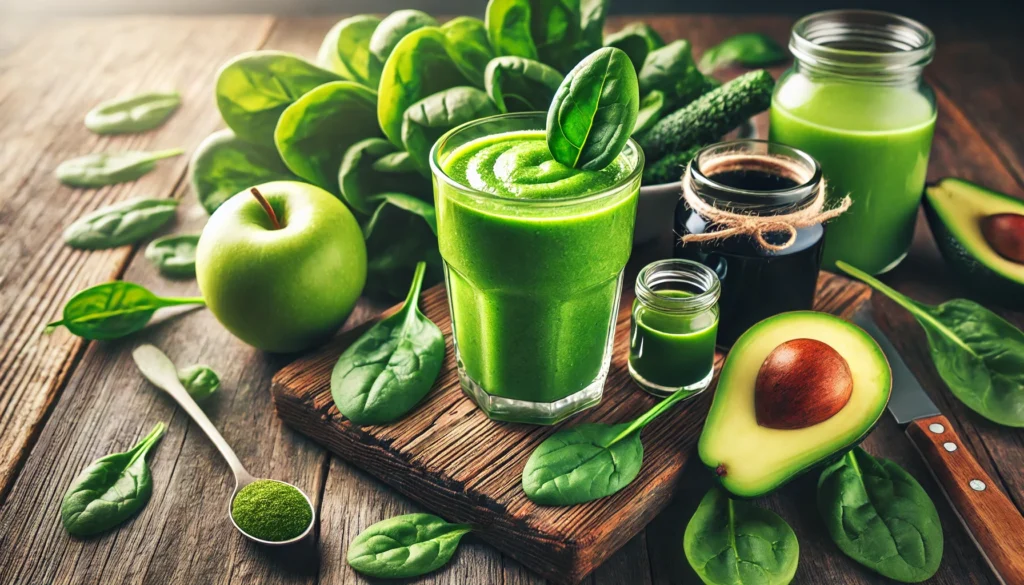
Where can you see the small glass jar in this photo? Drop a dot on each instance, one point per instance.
(673, 328)
(760, 179)
(856, 101)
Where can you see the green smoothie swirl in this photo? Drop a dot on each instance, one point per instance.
(519, 165)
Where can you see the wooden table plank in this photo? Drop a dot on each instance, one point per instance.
(45, 89)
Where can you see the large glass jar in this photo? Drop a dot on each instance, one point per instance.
(760, 180)
(855, 100)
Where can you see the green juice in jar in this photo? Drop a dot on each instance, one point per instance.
(855, 101)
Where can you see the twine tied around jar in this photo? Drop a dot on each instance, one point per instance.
(729, 223)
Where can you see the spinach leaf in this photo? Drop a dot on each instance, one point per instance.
(391, 261)
(224, 165)
(880, 517)
(133, 114)
(394, 28)
(391, 367)
(581, 464)
(113, 309)
(200, 381)
(671, 70)
(516, 84)
(108, 168)
(734, 542)
(594, 111)
(557, 31)
(589, 461)
(470, 47)
(254, 88)
(428, 119)
(315, 131)
(508, 28)
(119, 224)
(405, 546)
(346, 50)
(374, 167)
(422, 64)
(592, 14)
(637, 40)
(977, 353)
(110, 490)
(651, 107)
(174, 255)
(747, 49)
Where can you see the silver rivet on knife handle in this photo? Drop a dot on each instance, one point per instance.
(977, 485)
(936, 428)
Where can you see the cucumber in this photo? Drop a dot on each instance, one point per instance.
(710, 116)
(670, 167)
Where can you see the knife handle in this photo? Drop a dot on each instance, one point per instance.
(991, 519)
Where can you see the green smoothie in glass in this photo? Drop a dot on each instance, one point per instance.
(855, 101)
(534, 253)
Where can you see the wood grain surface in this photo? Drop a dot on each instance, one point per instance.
(64, 402)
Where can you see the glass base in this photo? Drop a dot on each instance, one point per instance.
(524, 411)
(664, 391)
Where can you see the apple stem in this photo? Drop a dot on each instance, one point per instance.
(266, 207)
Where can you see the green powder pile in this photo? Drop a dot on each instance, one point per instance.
(271, 510)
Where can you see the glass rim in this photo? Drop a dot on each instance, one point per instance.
(678, 267)
(891, 41)
(800, 193)
(441, 175)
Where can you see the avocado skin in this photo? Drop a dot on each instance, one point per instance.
(970, 267)
(865, 426)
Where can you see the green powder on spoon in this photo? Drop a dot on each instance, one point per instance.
(271, 510)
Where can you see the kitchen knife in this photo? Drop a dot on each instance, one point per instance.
(993, 522)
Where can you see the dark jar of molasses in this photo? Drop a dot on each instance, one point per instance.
(754, 217)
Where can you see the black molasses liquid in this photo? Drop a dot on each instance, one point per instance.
(756, 283)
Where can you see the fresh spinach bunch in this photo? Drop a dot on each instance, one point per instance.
(517, 84)
(110, 490)
(108, 168)
(881, 517)
(977, 353)
(557, 33)
(133, 114)
(594, 111)
(224, 164)
(314, 132)
(346, 50)
(392, 366)
(254, 89)
(589, 461)
(472, 49)
(200, 381)
(734, 542)
(405, 546)
(122, 223)
(113, 309)
(747, 49)
(174, 255)
(430, 118)
(637, 40)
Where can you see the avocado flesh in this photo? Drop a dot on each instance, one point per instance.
(757, 459)
(954, 209)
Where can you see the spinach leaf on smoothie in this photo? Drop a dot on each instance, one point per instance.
(594, 111)
(391, 367)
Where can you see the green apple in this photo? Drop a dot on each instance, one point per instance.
(284, 277)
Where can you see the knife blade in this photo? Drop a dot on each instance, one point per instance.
(992, 521)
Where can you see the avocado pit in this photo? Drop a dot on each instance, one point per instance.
(1004, 232)
(801, 383)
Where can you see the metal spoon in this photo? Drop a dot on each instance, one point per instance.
(160, 370)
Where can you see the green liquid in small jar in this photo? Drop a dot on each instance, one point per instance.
(671, 351)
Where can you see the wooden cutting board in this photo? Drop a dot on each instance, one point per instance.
(464, 467)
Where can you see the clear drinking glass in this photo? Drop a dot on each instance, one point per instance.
(533, 283)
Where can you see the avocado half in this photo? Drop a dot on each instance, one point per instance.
(751, 460)
(954, 209)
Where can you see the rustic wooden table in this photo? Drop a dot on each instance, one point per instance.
(64, 402)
